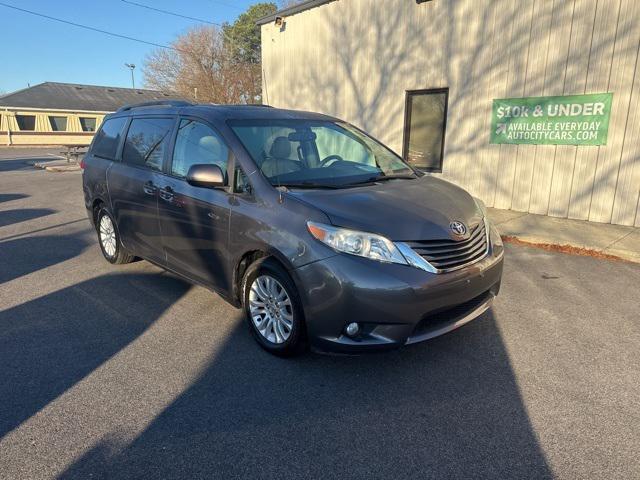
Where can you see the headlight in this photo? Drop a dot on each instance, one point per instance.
(496, 239)
(362, 244)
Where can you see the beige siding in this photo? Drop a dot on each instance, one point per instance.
(43, 134)
(356, 59)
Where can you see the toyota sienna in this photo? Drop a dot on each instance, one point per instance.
(322, 234)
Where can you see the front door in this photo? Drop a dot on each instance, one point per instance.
(194, 221)
(133, 186)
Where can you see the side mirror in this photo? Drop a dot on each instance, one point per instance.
(205, 175)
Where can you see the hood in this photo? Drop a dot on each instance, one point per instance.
(401, 210)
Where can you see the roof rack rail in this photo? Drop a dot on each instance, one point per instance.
(156, 103)
(247, 105)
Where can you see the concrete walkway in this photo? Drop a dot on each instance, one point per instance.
(617, 240)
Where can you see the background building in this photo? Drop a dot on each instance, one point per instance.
(62, 113)
(423, 77)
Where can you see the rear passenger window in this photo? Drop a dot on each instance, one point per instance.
(146, 141)
(197, 143)
(106, 141)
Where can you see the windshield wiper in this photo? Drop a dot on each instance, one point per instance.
(381, 178)
(305, 185)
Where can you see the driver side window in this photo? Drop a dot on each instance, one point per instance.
(196, 143)
(331, 143)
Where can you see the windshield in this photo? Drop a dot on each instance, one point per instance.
(308, 154)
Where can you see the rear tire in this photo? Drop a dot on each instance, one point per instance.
(273, 310)
(109, 239)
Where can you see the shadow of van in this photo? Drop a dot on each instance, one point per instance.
(448, 408)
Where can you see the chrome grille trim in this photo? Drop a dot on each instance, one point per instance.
(442, 256)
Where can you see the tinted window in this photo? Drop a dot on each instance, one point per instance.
(197, 143)
(58, 124)
(105, 143)
(426, 113)
(26, 122)
(88, 124)
(146, 141)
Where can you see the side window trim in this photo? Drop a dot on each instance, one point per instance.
(205, 122)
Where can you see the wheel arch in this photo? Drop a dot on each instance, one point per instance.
(96, 205)
(247, 259)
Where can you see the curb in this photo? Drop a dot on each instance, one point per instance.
(57, 166)
(571, 250)
(63, 168)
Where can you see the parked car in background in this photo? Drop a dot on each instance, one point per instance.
(322, 234)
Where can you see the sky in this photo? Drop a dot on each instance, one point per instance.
(35, 50)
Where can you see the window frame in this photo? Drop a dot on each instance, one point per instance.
(51, 123)
(169, 160)
(123, 144)
(35, 122)
(95, 125)
(409, 94)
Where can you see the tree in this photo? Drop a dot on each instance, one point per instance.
(201, 68)
(242, 37)
(213, 65)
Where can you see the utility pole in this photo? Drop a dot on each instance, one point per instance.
(131, 66)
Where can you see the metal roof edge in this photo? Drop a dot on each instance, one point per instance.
(287, 12)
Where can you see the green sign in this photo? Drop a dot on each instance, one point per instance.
(564, 120)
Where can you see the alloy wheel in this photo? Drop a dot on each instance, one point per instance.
(270, 308)
(108, 236)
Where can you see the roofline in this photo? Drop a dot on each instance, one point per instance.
(287, 12)
(82, 85)
(22, 89)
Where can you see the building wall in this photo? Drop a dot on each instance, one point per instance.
(43, 134)
(356, 58)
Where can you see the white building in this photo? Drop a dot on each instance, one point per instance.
(422, 76)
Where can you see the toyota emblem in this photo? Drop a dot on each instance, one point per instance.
(458, 228)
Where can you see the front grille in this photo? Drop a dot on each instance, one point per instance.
(452, 254)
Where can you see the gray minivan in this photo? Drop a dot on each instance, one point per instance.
(322, 234)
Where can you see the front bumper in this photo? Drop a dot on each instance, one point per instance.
(394, 304)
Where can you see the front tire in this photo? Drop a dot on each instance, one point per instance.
(273, 309)
(109, 239)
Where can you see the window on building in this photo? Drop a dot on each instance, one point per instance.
(26, 122)
(146, 142)
(197, 143)
(424, 128)
(58, 124)
(106, 141)
(88, 124)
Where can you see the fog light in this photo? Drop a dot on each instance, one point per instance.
(352, 329)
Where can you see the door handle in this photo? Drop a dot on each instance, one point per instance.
(166, 193)
(149, 188)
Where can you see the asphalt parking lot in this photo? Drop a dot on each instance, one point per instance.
(128, 372)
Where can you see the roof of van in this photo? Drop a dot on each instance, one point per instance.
(223, 112)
